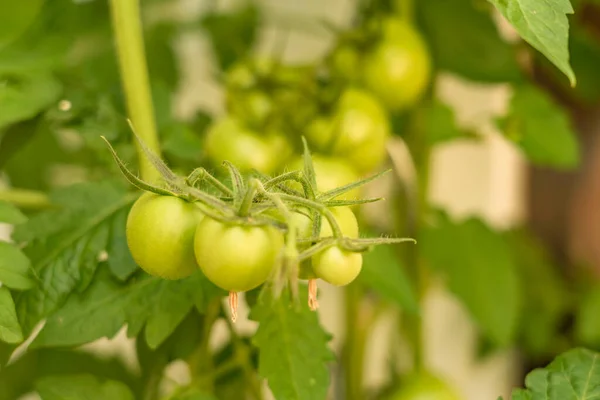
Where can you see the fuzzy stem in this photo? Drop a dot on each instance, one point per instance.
(127, 27)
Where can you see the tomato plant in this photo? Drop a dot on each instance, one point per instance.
(160, 233)
(186, 182)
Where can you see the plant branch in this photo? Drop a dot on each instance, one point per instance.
(24, 198)
(127, 27)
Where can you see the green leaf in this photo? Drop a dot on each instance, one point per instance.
(439, 124)
(108, 305)
(25, 94)
(193, 394)
(10, 330)
(15, 268)
(464, 39)
(480, 271)
(120, 261)
(383, 273)
(544, 25)
(11, 214)
(232, 34)
(587, 325)
(181, 142)
(15, 18)
(293, 351)
(541, 129)
(64, 245)
(78, 387)
(546, 300)
(573, 375)
(19, 377)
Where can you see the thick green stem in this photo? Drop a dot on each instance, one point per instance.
(421, 152)
(127, 26)
(355, 344)
(24, 198)
(247, 201)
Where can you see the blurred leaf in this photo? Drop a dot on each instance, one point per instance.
(193, 394)
(15, 18)
(531, 19)
(162, 65)
(383, 273)
(293, 350)
(11, 214)
(15, 268)
(464, 39)
(77, 387)
(439, 123)
(232, 34)
(10, 330)
(480, 271)
(120, 261)
(587, 323)
(181, 142)
(64, 245)
(18, 378)
(571, 376)
(25, 94)
(546, 300)
(541, 129)
(27, 141)
(108, 305)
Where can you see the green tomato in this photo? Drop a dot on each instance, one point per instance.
(228, 140)
(345, 219)
(331, 173)
(253, 107)
(425, 386)
(160, 235)
(236, 258)
(357, 130)
(335, 265)
(397, 70)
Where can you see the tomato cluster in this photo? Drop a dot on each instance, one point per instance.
(171, 238)
(340, 109)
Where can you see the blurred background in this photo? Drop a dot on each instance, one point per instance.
(68, 92)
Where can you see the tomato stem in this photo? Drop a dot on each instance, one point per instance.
(246, 205)
(127, 27)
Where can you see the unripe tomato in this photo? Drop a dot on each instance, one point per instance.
(228, 140)
(425, 386)
(160, 235)
(345, 219)
(331, 173)
(234, 257)
(253, 107)
(397, 70)
(335, 265)
(357, 130)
